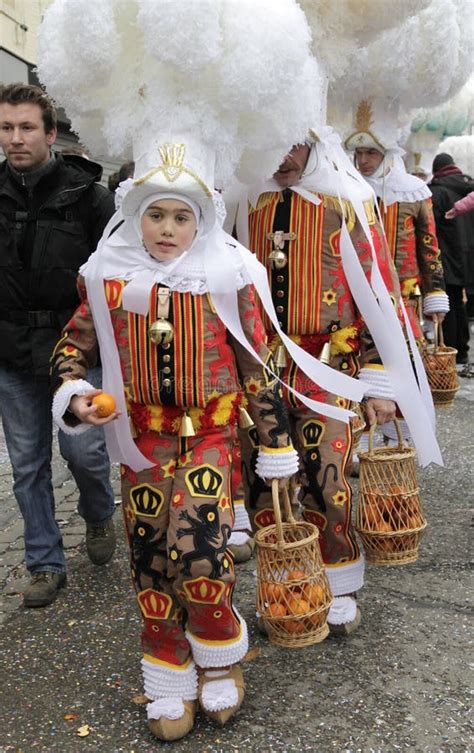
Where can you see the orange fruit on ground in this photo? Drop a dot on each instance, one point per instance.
(276, 610)
(314, 593)
(272, 592)
(105, 404)
(298, 606)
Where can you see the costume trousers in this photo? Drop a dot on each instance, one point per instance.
(325, 448)
(178, 517)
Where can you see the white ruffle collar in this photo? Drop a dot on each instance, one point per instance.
(393, 184)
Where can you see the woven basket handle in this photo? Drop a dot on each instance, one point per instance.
(276, 509)
(438, 336)
(399, 435)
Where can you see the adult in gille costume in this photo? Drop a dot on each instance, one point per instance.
(404, 203)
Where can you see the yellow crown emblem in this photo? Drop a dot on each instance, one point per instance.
(172, 157)
(146, 500)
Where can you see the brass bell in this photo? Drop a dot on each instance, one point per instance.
(161, 332)
(325, 355)
(186, 429)
(417, 291)
(280, 357)
(277, 259)
(245, 420)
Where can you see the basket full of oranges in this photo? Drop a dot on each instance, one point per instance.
(440, 365)
(293, 593)
(389, 516)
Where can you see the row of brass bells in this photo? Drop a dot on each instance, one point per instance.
(277, 259)
(161, 332)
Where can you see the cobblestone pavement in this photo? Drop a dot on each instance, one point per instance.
(399, 684)
(13, 574)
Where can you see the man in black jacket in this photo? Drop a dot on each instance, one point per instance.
(456, 241)
(52, 214)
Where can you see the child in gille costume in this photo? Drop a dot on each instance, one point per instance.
(183, 392)
(168, 302)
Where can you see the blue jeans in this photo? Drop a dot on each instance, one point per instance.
(25, 406)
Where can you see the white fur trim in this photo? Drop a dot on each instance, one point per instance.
(435, 303)
(242, 520)
(379, 383)
(278, 465)
(342, 610)
(345, 579)
(238, 538)
(61, 402)
(170, 708)
(164, 682)
(219, 694)
(389, 430)
(206, 655)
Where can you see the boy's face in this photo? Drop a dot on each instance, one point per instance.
(368, 160)
(24, 141)
(168, 228)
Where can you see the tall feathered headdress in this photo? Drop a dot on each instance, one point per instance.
(219, 69)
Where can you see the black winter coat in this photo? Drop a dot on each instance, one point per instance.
(456, 236)
(45, 235)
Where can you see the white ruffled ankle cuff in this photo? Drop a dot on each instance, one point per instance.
(61, 402)
(238, 538)
(345, 579)
(222, 654)
(342, 610)
(163, 682)
(276, 465)
(242, 520)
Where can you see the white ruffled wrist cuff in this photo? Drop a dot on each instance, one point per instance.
(379, 383)
(436, 303)
(281, 463)
(61, 401)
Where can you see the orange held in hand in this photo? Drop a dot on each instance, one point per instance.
(105, 404)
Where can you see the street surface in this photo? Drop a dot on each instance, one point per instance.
(399, 684)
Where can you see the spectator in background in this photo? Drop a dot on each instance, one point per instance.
(52, 214)
(456, 240)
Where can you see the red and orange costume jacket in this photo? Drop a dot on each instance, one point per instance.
(196, 372)
(310, 293)
(411, 235)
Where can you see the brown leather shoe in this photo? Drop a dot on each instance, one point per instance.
(43, 588)
(174, 729)
(100, 541)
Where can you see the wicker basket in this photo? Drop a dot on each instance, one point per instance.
(293, 593)
(440, 365)
(389, 517)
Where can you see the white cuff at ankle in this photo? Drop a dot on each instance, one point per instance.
(342, 610)
(220, 653)
(165, 682)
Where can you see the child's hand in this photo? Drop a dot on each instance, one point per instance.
(81, 406)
